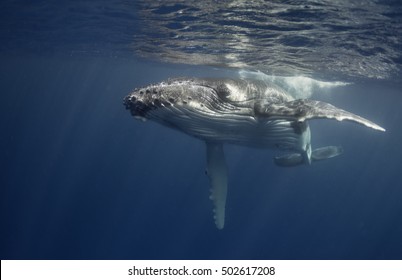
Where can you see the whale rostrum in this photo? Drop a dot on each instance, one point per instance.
(242, 112)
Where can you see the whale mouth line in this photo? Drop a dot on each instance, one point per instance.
(174, 93)
(140, 103)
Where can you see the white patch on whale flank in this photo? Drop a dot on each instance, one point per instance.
(300, 87)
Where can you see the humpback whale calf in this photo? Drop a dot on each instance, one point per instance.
(238, 111)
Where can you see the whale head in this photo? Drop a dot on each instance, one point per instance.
(186, 94)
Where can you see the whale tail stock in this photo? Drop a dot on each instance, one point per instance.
(301, 110)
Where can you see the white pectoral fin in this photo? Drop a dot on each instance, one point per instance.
(305, 109)
(318, 109)
(217, 173)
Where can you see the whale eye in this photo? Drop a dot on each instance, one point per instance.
(223, 91)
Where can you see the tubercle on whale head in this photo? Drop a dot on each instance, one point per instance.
(136, 107)
(142, 100)
(172, 92)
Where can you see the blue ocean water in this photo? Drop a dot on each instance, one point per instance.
(81, 179)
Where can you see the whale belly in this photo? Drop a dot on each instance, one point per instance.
(237, 127)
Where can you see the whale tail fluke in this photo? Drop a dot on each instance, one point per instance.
(318, 154)
(326, 152)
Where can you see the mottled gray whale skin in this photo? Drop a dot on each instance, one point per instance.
(237, 111)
